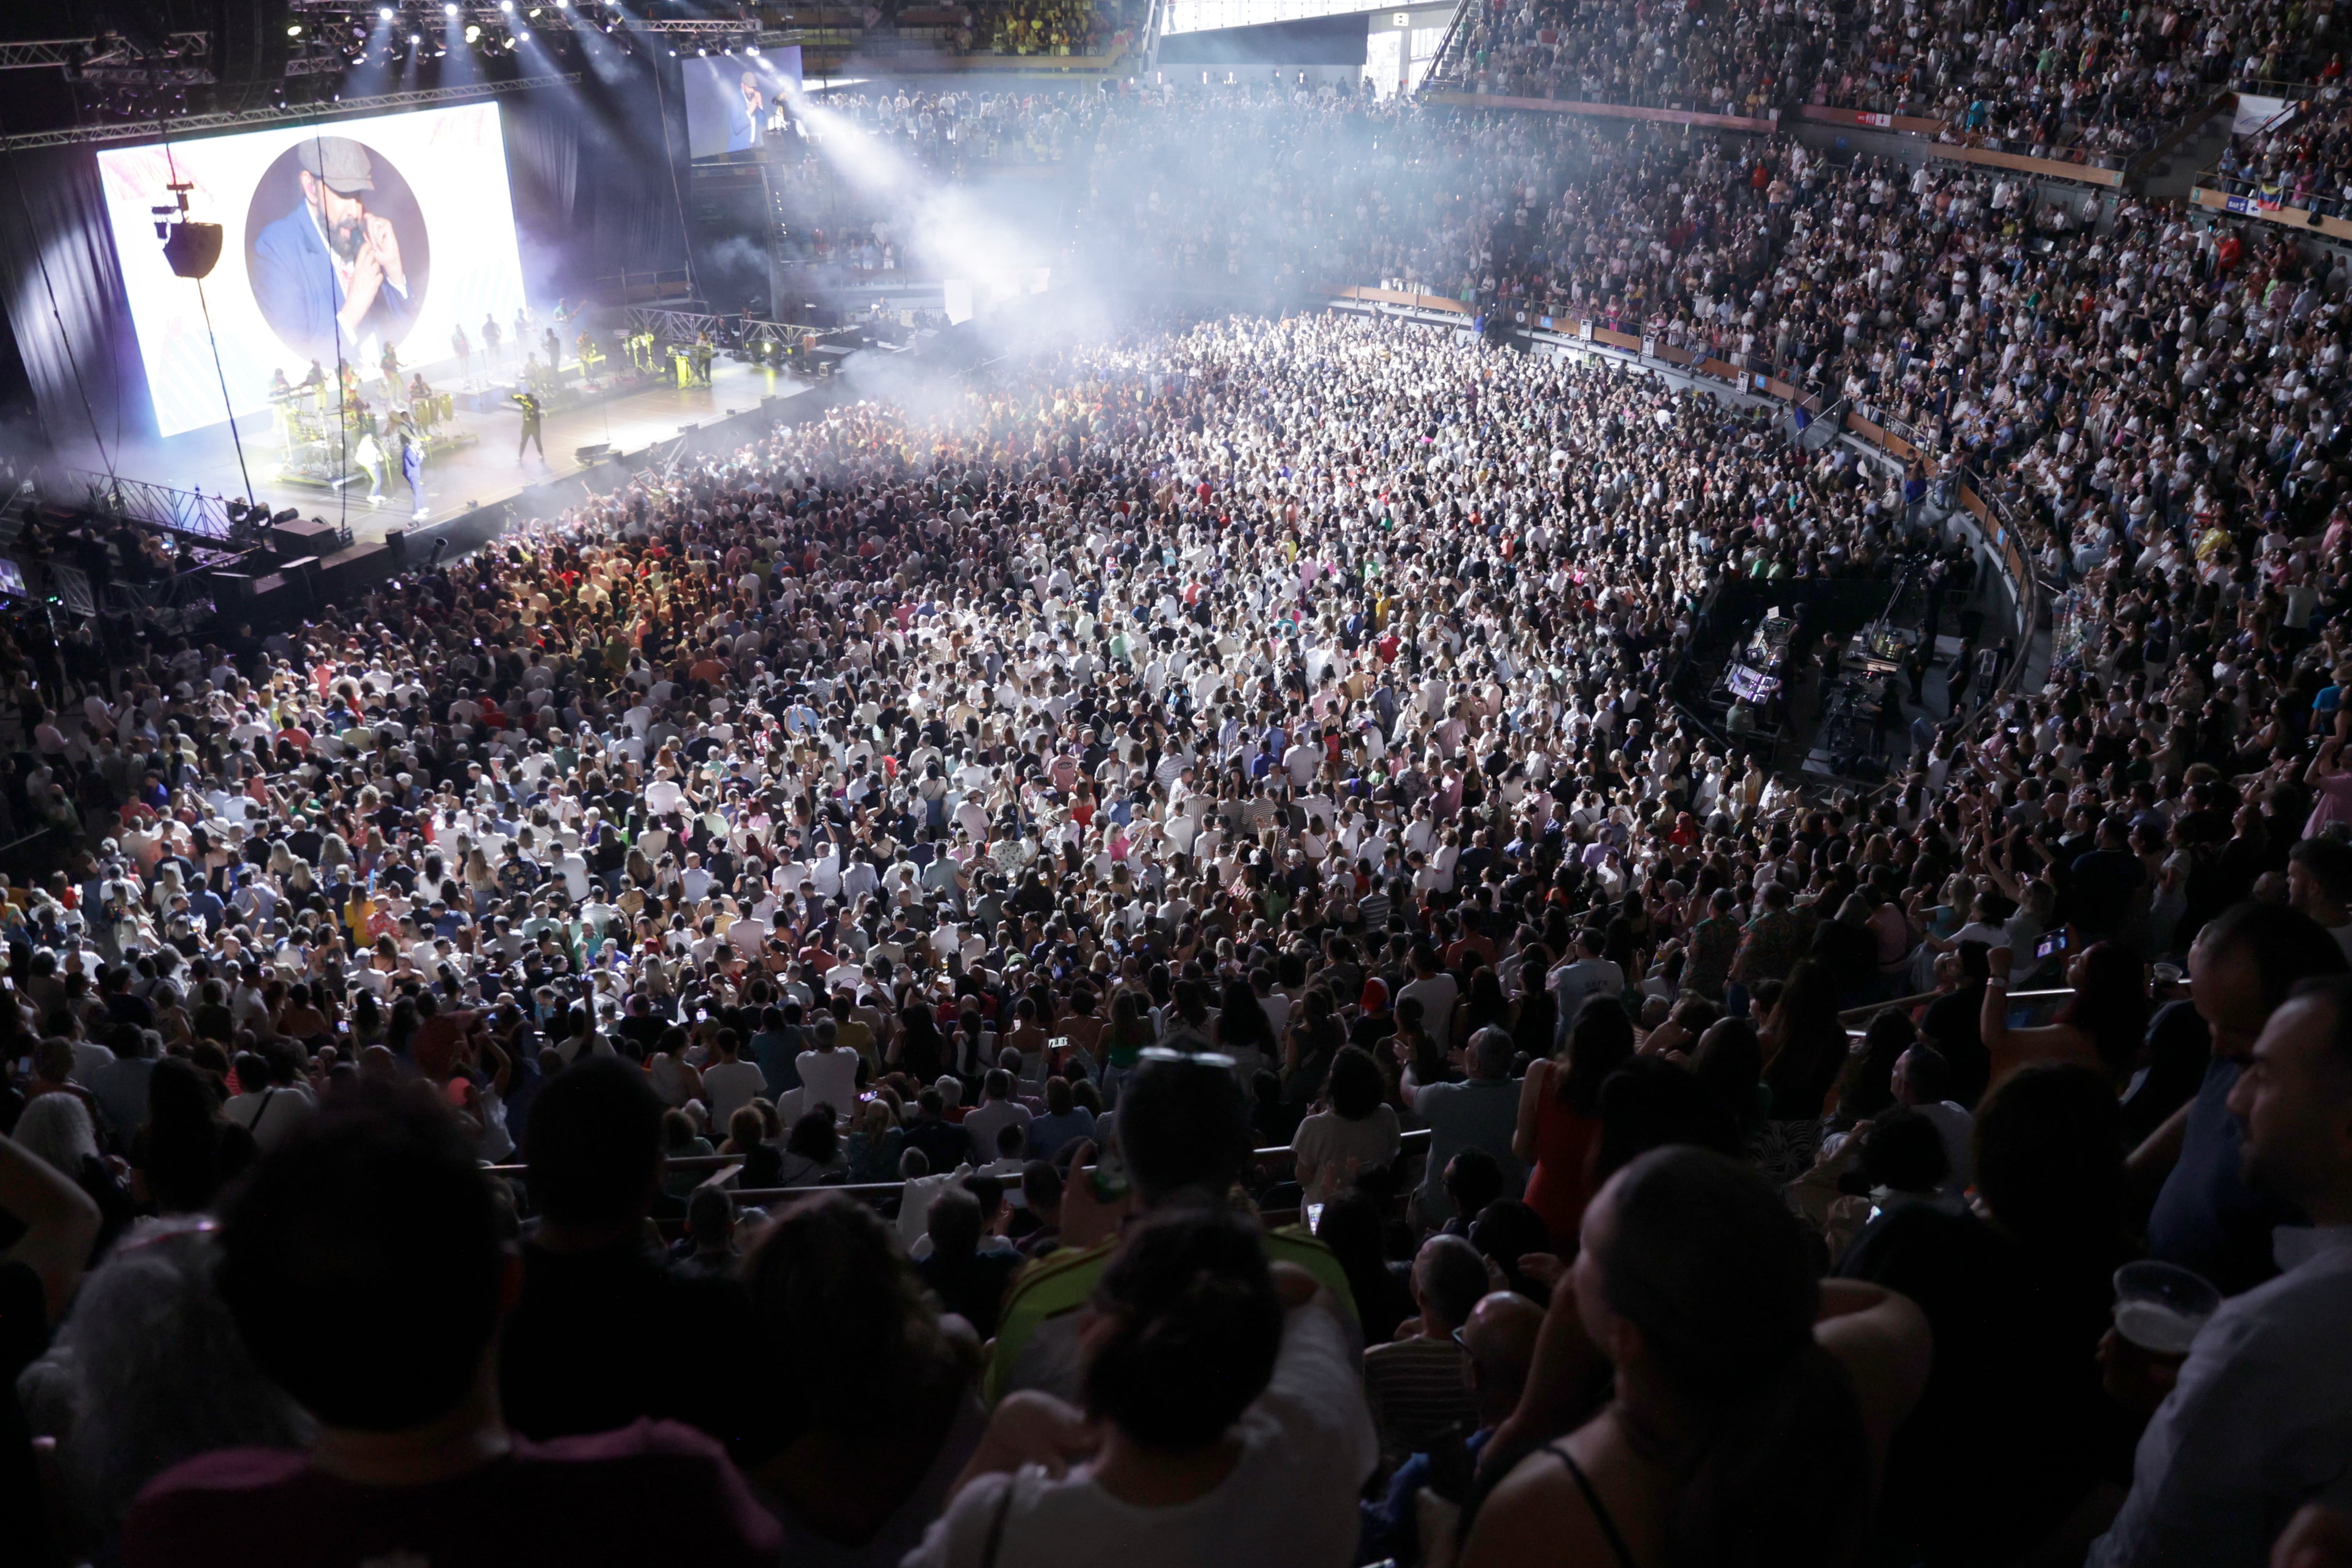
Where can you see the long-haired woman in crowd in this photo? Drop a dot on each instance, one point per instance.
(1752, 1402)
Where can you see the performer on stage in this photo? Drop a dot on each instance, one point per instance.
(463, 350)
(316, 378)
(522, 325)
(489, 342)
(701, 356)
(279, 386)
(555, 346)
(369, 455)
(412, 465)
(390, 365)
(529, 404)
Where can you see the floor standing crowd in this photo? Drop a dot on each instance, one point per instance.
(749, 1023)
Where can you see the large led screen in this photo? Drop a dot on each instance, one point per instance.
(732, 100)
(340, 238)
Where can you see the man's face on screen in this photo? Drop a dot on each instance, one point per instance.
(343, 220)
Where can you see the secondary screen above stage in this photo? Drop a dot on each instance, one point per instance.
(732, 100)
(396, 230)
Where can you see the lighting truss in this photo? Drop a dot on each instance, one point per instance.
(692, 27)
(109, 50)
(198, 124)
(595, 11)
(144, 76)
(589, 12)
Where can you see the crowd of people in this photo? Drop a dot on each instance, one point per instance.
(2068, 83)
(1054, 27)
(1140, 960)
(2300, 156)
(2096, 362)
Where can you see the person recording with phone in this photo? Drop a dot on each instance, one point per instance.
(329, 274)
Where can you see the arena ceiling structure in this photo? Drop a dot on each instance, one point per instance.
(74, 68)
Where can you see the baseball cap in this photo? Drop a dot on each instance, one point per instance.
(342, 163)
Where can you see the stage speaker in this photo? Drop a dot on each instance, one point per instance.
(347, 573)
(302, 536)
(249, 51)
(193, 249)
(594, 453)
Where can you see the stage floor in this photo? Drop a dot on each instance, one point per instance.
(482, 474)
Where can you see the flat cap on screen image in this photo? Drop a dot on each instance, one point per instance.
(338, 160)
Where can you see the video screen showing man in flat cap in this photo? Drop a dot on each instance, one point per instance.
(746, 115)
(333, 264)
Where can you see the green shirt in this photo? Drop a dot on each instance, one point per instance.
(1060, 1283)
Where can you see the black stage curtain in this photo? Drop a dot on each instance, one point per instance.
(53, 218)
(591, 182)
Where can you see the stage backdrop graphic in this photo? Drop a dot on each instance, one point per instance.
(424, 192)
(720, 116)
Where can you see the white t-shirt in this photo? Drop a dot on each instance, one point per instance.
(270, 1113)
(829, 1077)
(984, 1121)
(729, 1086)
(1307, 1446)
(1327, 1141)
(1436, 994)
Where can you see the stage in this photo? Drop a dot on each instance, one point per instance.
(466, 481)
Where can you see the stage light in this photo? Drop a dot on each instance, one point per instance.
(294, 30)
(753, 50)
(450, 11)
(704, 53)
(523, 34)
(473, 33)
(384, 14)
(416, 37)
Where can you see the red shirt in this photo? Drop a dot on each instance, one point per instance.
(654, 1492)
(438, 1040)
